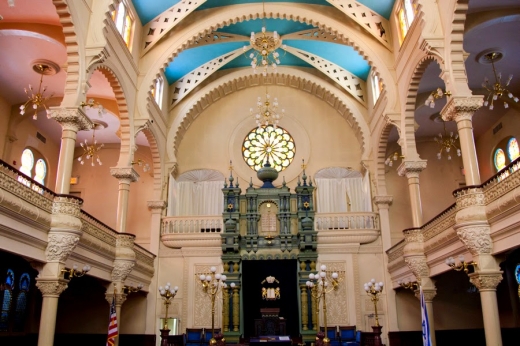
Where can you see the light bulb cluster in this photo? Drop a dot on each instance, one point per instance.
(373, 287)
(94, 104)
(266, 112)
(37, 99)
(132, 289)
(436, 94)
(496, 90)
(390, 159)
(168, 292)
(141, 163)
(75, 272)
(446, 143)
(91, 152)
(461, 265)
(322, 282)
(412, 285)
(214, 280)
(265, 54)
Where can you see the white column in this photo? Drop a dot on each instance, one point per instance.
(411, 170)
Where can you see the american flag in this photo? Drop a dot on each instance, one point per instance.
(112, 324)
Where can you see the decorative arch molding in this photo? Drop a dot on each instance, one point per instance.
(377, 56)
(380, 157)
(348, 108)
(156, 160)
(127, 140)
(455, 54)
(75, 57)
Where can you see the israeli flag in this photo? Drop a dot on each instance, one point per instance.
(427, 341)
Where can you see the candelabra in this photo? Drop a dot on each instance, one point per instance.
(446, 143)
(94, 104)
(37, 99)
(320, 284)
(74, 272)
(496, 90)
(267, 112)
(436, 94)
(374, 290)
(212, 284)
(132, 289)
(462, 265)
(91, 150)
(167, 293)
(141, 163)
(407, 284)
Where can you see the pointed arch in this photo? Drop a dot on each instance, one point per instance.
(156, 160)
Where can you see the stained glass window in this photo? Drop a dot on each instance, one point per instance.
(6, 300)
(27, 162)
(500, 159)
(40, 171)
(124, 22)
(21, 303)
(405, 17)
(512, 149)
(266, 142)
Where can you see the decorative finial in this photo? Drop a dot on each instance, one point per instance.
(237, 183)
(283, 183)
(299, 181)
(231, 173)
(225, 183)
(250, 181)
(310, 181)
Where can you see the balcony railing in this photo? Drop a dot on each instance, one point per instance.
(192, 224)
(346, 220)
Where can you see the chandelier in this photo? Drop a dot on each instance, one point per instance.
(446, 143)
(393, 157)
(496, 90)
(91, 151)
(38, 99)
(266, 112)
(91, 104)
(436, 94)
(265, 44)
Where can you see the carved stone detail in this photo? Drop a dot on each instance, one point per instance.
(60, 246)
(73, 119)
(121, 270)
(429, 294)
(66, 205)
(51, 288)
(382, 201)
(461, 108)
(486, 281)
(413, 235)
(418, 266)
(120, 298)
(470, 197)
(125, 174)
(125, 240)
(156, 205)
(476, 238)
(411, 169)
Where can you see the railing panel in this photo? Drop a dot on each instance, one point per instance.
(346, 221)
(192, 224)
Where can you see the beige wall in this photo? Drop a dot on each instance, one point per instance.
(5, 112)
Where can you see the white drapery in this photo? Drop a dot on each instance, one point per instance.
(198, 192)
(341, 190)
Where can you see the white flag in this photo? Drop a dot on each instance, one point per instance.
(427, 341)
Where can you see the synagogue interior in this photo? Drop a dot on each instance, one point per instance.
(241, 172)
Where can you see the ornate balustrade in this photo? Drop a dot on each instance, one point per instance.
(192, 224)
(347, 220)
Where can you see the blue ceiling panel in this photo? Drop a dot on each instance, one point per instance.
(282, 26)
(342, 55)
(190, 59)
(149, 9)
(286, 59)
(220, 3)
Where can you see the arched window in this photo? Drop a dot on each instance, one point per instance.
(7, 298)
(506, 152)
(405, 16)
(36, 171)
(21, 303)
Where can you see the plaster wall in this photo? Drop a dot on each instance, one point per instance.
(5, 112)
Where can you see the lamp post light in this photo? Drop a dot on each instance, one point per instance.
(374, 290)
(319, 285)
(212, 284)
(167, 293)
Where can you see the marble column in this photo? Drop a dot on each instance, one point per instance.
(152, 315)
(461, 111)
(125, 175)
(64, 235)
(411, 170)
(413, 253)
(383, 205)
(123, 265)
(71, 120)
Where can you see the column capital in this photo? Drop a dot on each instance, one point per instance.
(461, 108)
(411, 168)
(124, 174)
(383, 202)
(418, 265)
(429, 294)
(476, 238)
(156, 205)
(486, 281)
(51, 287)
(120, 298)
(71, 118)
(121, 270)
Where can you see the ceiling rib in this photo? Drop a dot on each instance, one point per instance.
(217, 37)
(371, 21)
(352, 84)
(315, 34)
(186, 84)
(163, 23)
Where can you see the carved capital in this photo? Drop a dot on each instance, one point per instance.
(429, 294)
(418, 266)
(60, 245)
(124, 174)
(487, 281)
(461, 108)
(476, 238)
(51, 288)
(120, 298)
(73, 119)
(154, 205)
(383, 202)
(411, 169)
(121, 269)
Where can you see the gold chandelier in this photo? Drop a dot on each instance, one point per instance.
(266, 112)
(496, 90)
(436, 94)
(446, 143)
(265, 45)
(38, 99)
(91, 104)
(91, 151)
